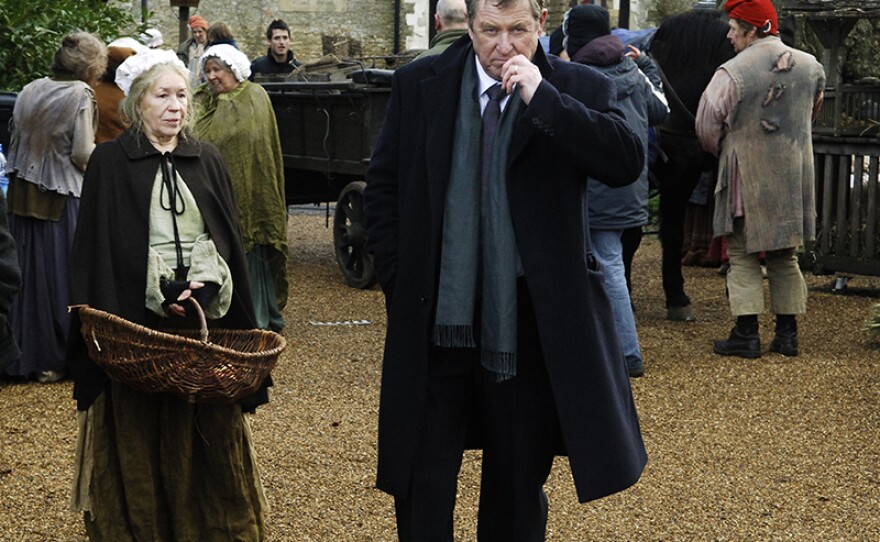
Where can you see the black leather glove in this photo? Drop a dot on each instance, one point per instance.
(172, 289)
(203, 295)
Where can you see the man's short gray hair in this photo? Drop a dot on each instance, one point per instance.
(472, 5)
(452, 11)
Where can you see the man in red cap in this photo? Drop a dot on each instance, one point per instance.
(756, 116)
(190, 51)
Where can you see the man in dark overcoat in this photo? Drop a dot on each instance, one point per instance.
(499, 331)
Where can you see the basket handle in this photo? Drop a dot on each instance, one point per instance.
(203, 332)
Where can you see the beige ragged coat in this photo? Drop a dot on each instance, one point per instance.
(756, 115)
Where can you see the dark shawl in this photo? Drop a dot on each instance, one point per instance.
(109, 254)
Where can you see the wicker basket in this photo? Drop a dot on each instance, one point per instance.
(231, 366)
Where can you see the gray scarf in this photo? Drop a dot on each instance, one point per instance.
(479, 248)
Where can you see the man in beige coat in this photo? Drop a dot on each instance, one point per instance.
(756, 116)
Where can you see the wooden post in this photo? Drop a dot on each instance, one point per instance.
(183, 17)
(623, 14)
(183, 25)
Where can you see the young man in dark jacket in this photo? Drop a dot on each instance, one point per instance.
(279, 59)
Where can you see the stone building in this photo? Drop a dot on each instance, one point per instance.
(347, 28)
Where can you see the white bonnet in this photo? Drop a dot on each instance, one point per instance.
(152, 38)
(137, 64)
(131, 43)
(238, 62)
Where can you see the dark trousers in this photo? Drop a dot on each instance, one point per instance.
(630, 240)
(519, 431)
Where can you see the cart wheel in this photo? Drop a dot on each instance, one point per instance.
(350, 236)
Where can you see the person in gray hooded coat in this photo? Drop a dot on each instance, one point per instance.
(611, 210)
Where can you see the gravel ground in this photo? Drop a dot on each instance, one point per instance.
(740, 450)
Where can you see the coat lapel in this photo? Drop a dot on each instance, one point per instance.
(440, 94)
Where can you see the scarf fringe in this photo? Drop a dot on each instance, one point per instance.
(501, 365)
(454, 336)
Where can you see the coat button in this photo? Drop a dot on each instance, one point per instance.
(423, 300)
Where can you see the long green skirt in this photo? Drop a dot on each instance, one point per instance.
(263, 269)
(155, 467)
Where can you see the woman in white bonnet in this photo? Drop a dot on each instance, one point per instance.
(157, 225)
(236, 115)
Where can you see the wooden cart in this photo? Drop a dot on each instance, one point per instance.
(327, 130)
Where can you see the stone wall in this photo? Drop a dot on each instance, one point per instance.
(360, 28)
(344, 27)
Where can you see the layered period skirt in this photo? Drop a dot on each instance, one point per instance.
(154, 467)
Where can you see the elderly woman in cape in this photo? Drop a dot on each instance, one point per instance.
(157, 225)
(237, 116)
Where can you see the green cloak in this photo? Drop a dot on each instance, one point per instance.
(241, 123)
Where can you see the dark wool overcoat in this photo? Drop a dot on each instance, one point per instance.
(109, 254)
(571, 130)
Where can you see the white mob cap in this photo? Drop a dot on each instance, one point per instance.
(152, 38)
(137, 64)
(131, 43)
(238, 62)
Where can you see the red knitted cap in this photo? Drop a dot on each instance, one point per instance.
(759, 13)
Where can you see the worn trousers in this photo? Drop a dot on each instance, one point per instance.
(745, 283)
(516, 424)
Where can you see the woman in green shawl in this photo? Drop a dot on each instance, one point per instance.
(236, 116)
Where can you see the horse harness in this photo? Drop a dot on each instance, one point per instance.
(670, 91)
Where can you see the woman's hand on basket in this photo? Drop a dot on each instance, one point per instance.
(176, 291)
(205, 294)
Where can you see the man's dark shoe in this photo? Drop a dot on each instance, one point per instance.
(744, 345)
(635, 368)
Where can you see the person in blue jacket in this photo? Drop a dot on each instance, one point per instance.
(588, 40)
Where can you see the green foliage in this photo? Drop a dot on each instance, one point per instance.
(660, 9)
(862, 47)
(32, 31)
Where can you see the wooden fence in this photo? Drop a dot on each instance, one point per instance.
(848, 205)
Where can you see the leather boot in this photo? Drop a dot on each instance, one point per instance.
(786, 341)
(744, 341)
